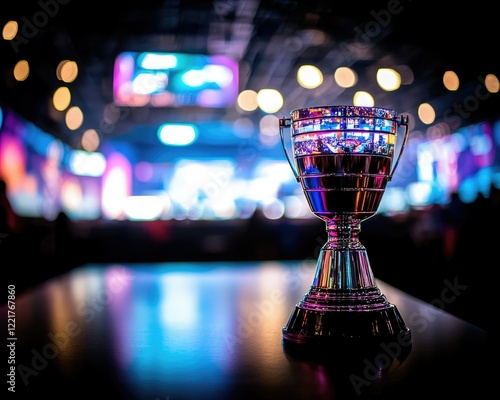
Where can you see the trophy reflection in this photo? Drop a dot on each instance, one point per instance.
(343, 157)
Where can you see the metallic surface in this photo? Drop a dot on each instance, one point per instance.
(343, 183)
(343, 157)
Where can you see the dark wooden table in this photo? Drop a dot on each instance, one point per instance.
(213, 331)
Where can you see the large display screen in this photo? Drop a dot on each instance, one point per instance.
(174, 80)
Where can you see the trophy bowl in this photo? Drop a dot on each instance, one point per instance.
(343, 157)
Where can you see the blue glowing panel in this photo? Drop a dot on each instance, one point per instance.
(173, 80)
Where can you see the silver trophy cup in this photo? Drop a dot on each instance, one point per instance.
(343, 157)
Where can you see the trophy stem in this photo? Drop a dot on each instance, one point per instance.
(343, 262)
(344, 303)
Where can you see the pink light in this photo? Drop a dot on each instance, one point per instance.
(12, 161)
(116, 186)
(122, 78)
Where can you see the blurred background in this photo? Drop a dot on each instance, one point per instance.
(149, 132)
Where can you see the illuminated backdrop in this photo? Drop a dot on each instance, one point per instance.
(125, 181)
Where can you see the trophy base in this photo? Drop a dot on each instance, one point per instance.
(344, 328)
(344, 308)
(348, 340)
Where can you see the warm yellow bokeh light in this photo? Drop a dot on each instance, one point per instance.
(74, 118)
(491, 83)
(9, 30)
(67, 71)
(309, 76)
(363, 99)
(451, 80)
(90, 140)
(426, 113)
(21, 70)
(388, 79)
(269, 100)
(247, 100)
(345, 77)
(61, 98)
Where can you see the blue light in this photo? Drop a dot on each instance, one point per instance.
(468, 190)
(177, 134)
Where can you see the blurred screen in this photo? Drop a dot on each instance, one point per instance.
(173, 80)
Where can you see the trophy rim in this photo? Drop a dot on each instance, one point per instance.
(344, 111)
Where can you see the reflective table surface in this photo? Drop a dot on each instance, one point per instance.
(214, 331)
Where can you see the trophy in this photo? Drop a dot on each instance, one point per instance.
(343, 157)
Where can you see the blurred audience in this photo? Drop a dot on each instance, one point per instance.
(9, 221)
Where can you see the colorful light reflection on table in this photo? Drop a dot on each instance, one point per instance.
(160, 319)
